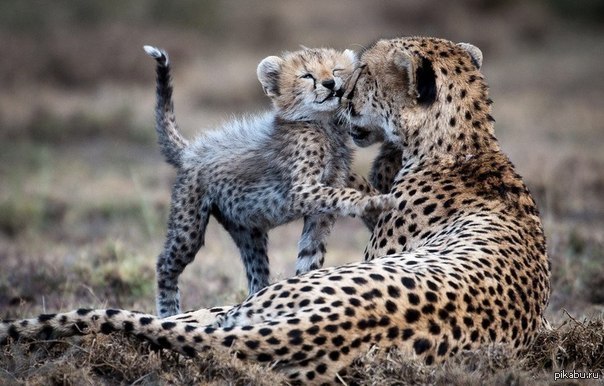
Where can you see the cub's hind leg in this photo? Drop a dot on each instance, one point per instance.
(253, 246)
(189, 215)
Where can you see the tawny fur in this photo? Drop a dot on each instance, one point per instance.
(460, 264)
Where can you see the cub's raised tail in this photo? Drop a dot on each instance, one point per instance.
(171, 142)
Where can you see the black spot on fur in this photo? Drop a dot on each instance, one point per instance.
(376, 277)
(107, 328)
(128, 326)
(442, 348)
(263, 357)
(321, 368)
(408, 282)
(334, 355)
(46, 332)
(349, 290)
(163, 342)
(426, 82)
(429, 208)
(328, 290)
(412, 316)
(421, 346)
(46, 317)
(338, 340)
(228, 340)
(190, 327)
(393, 291)
(253, 344)
(79, 327)
(13, 333)
(391, 307)
(145, 320)
(189, 351)
(407, 333)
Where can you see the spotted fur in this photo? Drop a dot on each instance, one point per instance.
(257, 173)
(459, 264)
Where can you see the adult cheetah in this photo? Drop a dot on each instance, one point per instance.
(258, 173)
(459, 264)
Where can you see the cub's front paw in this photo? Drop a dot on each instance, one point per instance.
(380, 203)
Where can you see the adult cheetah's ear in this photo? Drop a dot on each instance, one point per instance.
(421, 79)
(268, 74)
(474, 52)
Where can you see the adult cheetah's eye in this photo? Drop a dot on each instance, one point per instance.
(307, 76)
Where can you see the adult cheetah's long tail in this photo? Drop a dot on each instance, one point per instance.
(171, 142)
(187, 338)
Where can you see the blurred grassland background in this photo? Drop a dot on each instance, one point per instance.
(84, 191)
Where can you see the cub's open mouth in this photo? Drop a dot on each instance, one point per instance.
(331, 95)
(334, 94)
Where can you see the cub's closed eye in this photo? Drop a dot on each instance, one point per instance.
(337, 70)
(307, 76)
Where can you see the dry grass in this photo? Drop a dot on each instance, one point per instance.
(575, 345)
(572, 346)
(84, 192)
(122, 360)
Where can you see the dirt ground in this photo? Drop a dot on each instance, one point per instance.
(84, 192)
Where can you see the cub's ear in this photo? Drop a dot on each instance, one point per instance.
(421, 79)
(268, 74)
(474, 52)
(350, 54)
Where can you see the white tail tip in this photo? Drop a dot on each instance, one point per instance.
(153, 51)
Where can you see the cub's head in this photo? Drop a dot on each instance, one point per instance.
(423, 93)
(306, 84)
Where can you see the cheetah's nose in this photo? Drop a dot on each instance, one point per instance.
(330, 84)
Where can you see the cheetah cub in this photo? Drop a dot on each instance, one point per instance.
(256, 173)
